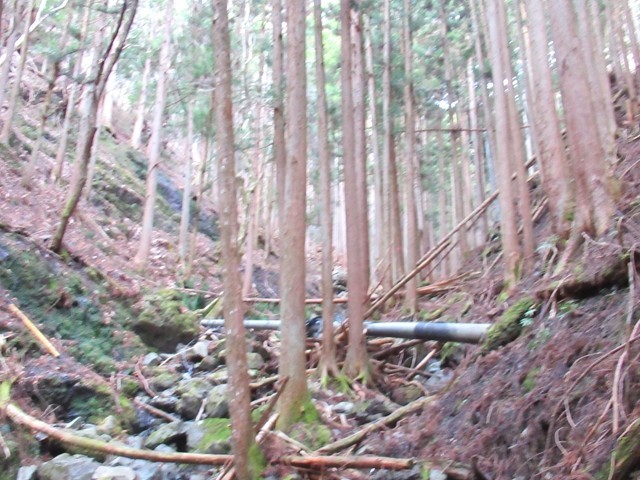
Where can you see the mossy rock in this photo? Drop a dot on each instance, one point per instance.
(164, 321)
(211, 435)
(313, 435)
(509, 326)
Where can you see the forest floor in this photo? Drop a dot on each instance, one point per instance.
(559, 397)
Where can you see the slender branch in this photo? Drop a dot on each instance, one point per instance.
(347, 462)
(44, 341)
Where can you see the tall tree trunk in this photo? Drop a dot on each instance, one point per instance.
(27, 175)
(155, 142)
(329, 366)
(356, 362)
(508, 228)
(412, 251)
(239, 394)
(56, 173)
(185, 217)
(107, 60)
(442, 200)
(552, 156)
(593, 181)
(14, 96)
(377, 232)
(279, 144)
(295, 398)
(358, 83)
(12, 37)
(387, 144)
(136, 133)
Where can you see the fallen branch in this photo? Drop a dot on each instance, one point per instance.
(320, 462)
(156, 412)
(373, 426)
(397, 348)
(98, 446)
(42, 340)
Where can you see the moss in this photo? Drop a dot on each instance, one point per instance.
(312, 435)
(216, 431)
(257, 462)
(448, 350)
(529, 382)
(509, 326)
(626, 454)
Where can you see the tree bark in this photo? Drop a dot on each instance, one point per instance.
(142, 255)
(279, 144)
(295, 398)
(552, 156)
(412, 250)
(329, 365)
(185, 217)
(136, 133)
(239, 393)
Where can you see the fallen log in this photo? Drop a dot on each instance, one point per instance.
(440, 332)
(320, 462)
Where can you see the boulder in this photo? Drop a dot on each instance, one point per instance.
(114, 473)
(164, 321)
(65, 466)
(211, 435)
(216, 404)
(165, 434)
(191, 392)
(27, 473)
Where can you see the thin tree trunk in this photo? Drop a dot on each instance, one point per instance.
(295, 398)
(279, 144)
(142, 255)
(185, 217)
(329, 366)
(136, 133)
(105, 65)
(9, 49)
(377, 232)
(412, 252)
(244, 446)
(27, 175)
(442, 200)
(387, 145)
(356, 362)
(14, 96)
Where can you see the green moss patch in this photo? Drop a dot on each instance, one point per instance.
(509, 326)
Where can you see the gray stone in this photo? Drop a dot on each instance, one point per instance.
(437, 475)
(27, 473)
(167, 433)
(114, 473)
(221, 376)
(254, 361)
(209, 363)
(168, 403)
(164, 380)
(216, 404)
(151, 359)
(343, 407)
(65, 467)
(198, 351)
(192, 392)
(108, 426)
(211, 435)
(147, 470)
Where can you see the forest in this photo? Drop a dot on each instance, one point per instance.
(352, 239)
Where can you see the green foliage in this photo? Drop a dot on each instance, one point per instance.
(216, 430)
(509, 326)
(530, 380)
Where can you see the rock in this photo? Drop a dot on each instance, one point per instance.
(27, 473)
(198, 351)
(216, 404)
(437, 475)
(221, 376)
(164, 380)
(165, 434)
(65, 467)
(151, 359)
(114, 473)
(406, 393)
(254, 361)
(192, 392)
(209, 363)
(164, 321)
(343, 407)
(108, 426)
(147, 470)
(211, 435)
(168, 403)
